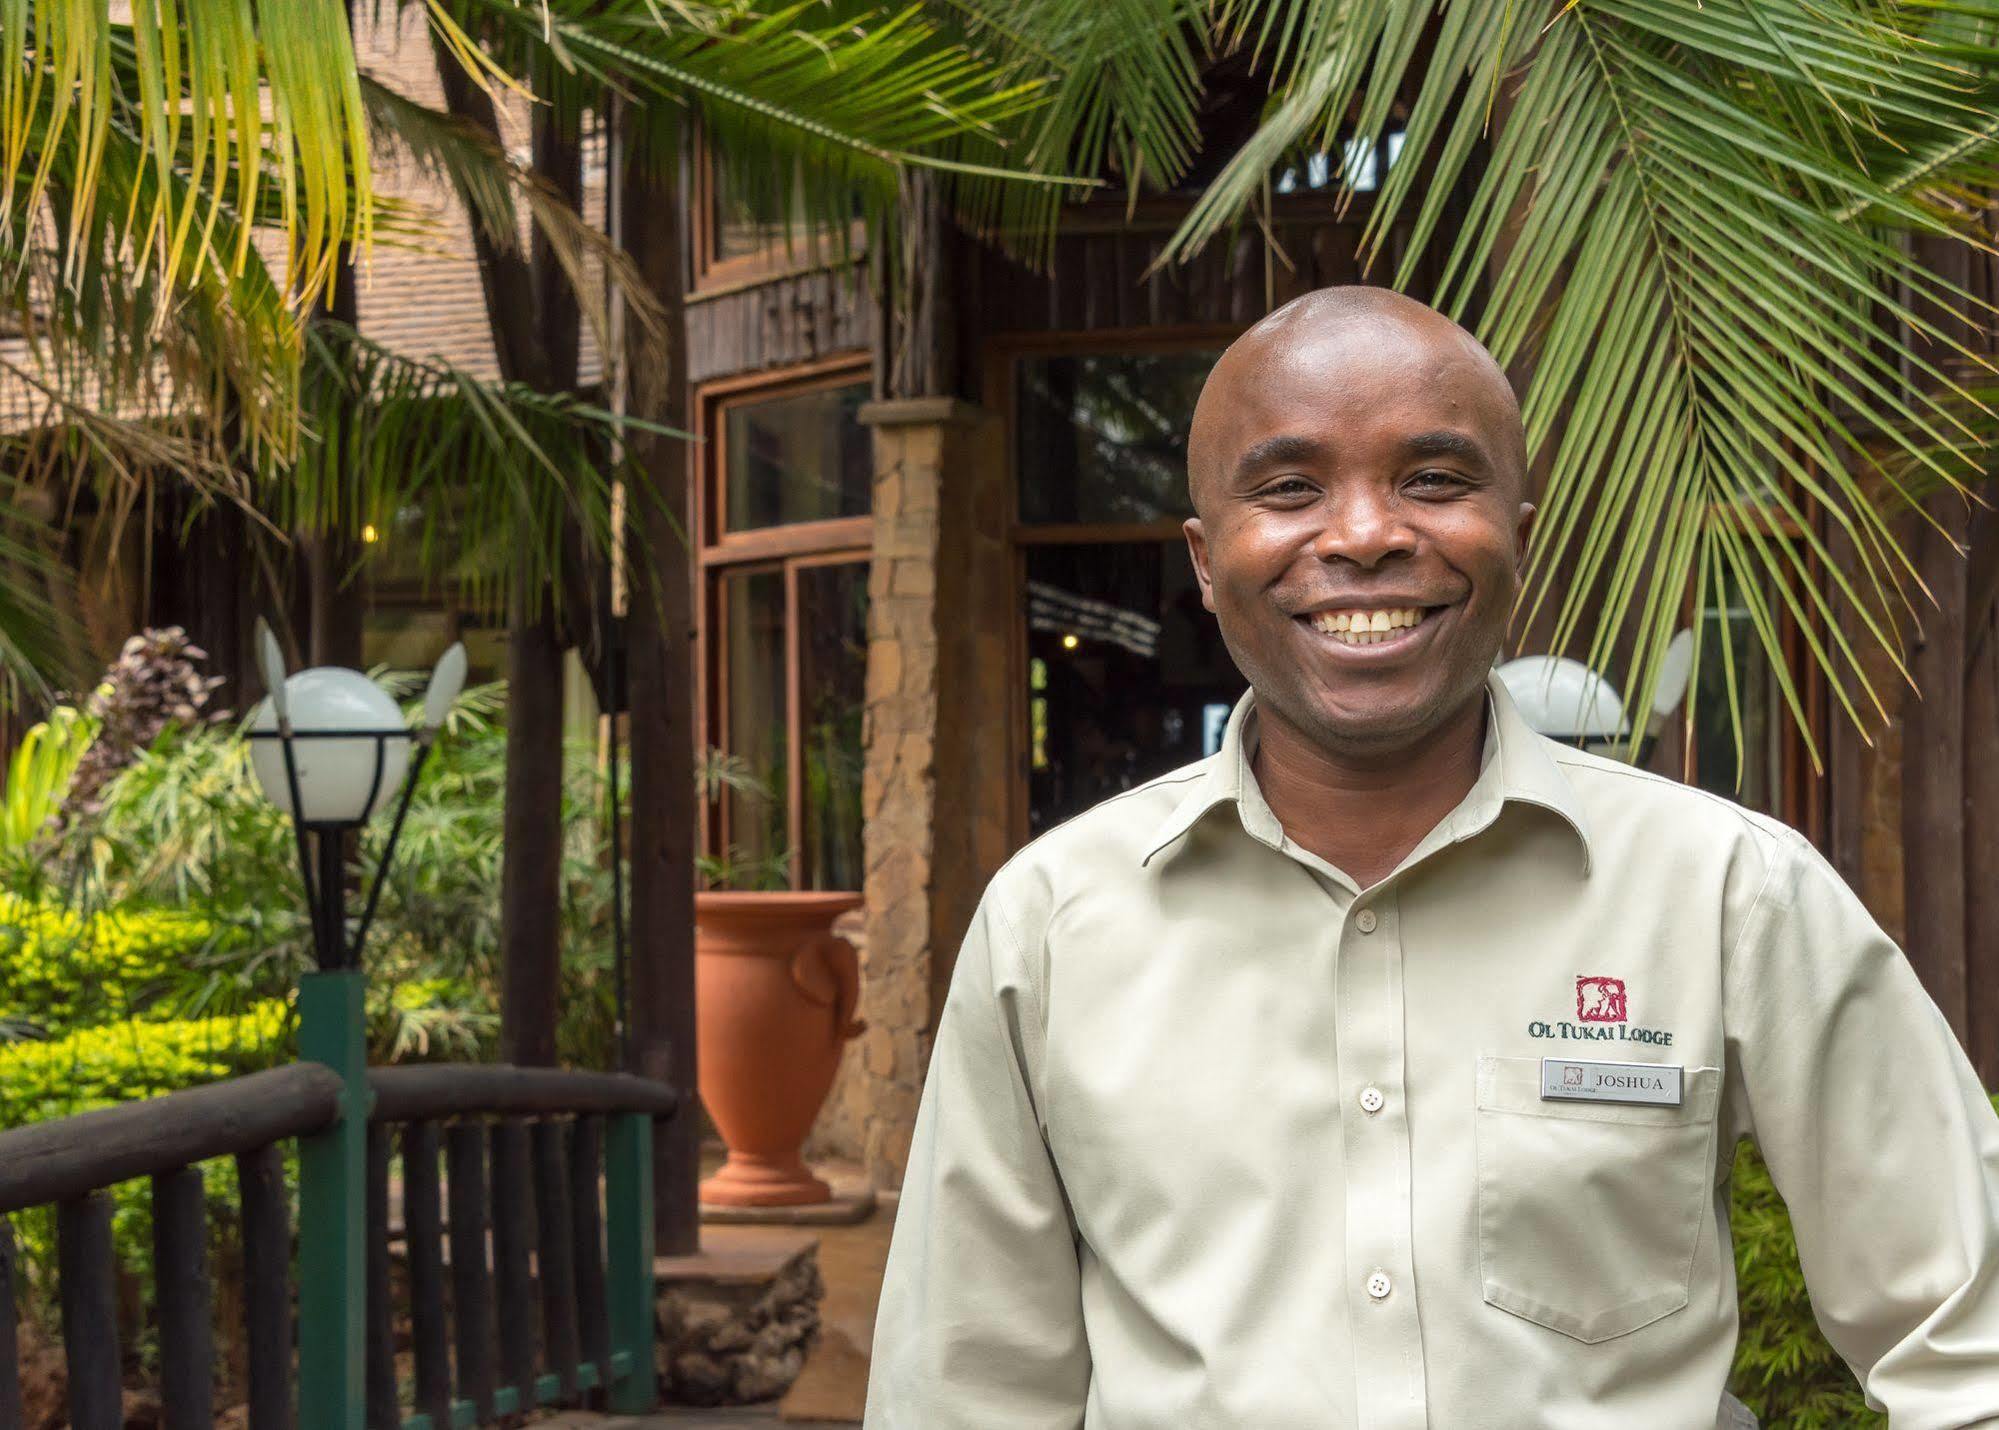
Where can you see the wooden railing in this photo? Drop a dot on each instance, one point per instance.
(545, 1207)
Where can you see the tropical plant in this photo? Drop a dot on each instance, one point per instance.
(718, 774)
(185, 847)
(39, 774)
(1690, 220)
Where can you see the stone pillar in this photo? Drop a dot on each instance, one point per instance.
(935, 781)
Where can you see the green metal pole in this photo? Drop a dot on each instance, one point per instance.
(333, 1221)
(628, 1237)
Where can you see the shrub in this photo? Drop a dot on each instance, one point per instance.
(62, 969)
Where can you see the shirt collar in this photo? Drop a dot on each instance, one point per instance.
(1517, 764)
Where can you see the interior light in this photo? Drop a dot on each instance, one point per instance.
(1069, 642)
(369, 534)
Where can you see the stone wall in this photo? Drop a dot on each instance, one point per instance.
(934, 786)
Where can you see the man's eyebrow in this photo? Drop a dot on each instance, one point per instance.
(1446, 443)
(1276, 451)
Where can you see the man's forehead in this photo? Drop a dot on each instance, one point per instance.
(1369, 369)
(1346, 382)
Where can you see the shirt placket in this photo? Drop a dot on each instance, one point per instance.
(1381, 1273)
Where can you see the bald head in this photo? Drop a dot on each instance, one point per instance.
(1339, 339)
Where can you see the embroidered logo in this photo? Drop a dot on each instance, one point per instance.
(1600, 1000)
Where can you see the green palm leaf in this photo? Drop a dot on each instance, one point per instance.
(1685, 225)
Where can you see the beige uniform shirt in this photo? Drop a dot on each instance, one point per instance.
(1212, 1139)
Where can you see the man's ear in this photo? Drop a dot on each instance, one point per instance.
(1197, 548)
(1523, 527)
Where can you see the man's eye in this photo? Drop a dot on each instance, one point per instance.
(1436, 481)
(1285, 487)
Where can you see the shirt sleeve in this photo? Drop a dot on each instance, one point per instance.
(980, 1325)
(1880, 1139)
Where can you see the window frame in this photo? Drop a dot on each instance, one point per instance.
(712, 276)
(787, 549)
(1001, 358)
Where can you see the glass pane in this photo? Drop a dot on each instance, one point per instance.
(754, 818)
(801, 457)
(1127, 675)
(1759, 699)
(1103, 436)
(833, 678)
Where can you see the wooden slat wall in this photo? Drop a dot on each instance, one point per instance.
(780, 323)
(1910, 815)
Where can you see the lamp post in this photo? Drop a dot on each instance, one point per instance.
(331, 749)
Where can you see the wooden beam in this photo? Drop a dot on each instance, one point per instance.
(651, 220)
(56, 1161)
(423, 1092)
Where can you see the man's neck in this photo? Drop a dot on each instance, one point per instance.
(1363, 814)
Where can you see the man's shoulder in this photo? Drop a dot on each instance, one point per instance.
(1664, 813)
(1110, 838)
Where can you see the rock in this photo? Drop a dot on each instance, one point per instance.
(735, 1340)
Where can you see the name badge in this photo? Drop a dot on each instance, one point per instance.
(1653, 1084)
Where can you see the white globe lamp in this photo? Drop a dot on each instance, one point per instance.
(330, 748)
(355, 755)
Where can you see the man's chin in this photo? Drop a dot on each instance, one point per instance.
(1376, 721)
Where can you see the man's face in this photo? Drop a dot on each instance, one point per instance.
(1362, 476)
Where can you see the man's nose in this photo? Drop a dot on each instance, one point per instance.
(1362, 529)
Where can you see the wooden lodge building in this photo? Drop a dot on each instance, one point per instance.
(943, 600)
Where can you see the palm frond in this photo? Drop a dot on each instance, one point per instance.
(186, 83)
(1685, 223)
(490, 182)
(468, 482)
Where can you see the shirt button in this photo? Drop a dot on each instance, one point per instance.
(1365, 920)
(1371, 1100)
(1378, 1285)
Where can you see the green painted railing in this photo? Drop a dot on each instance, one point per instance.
(549, 1196)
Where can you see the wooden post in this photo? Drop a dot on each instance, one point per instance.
(267, 1292)
(86, 1266)
(471, 1285)
(650, 215)
(513, 1246)
(10, 1350)
(423, 1223)
(180, 1274)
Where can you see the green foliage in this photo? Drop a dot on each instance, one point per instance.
(60, 969)
(126, 1061)
(186, 828)
(39, 774)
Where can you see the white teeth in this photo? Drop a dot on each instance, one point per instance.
(1365, 627)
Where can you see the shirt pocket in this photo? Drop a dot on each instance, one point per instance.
(1589, 1214)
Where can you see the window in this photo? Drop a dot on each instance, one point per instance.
(1124, 674)
(785, 611)
(1774, 766)
(737, 240)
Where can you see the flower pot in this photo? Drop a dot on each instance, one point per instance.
(774, 997)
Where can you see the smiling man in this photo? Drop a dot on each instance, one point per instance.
(1383, 1069)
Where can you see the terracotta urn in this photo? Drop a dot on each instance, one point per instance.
(774, 996)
